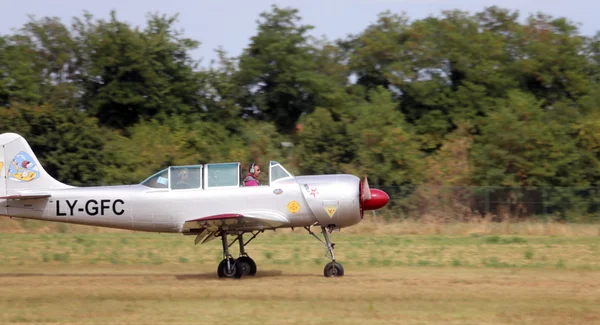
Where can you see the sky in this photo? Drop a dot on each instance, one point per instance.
(230, 24)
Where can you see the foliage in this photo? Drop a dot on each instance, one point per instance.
(385, 146)
(154, 145)
(277, 71)
(324, 144)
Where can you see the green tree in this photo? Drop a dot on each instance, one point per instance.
(552, 65)
(21, 77)
(219, 94)
(324, 145)
(379, 51)
(133, 74)
(520, 145)
(277, 70)
(592, 53)
(56, 60)
(384, 143)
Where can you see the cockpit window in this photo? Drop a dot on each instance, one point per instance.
(278, 172)
(185, 177)
(222, 175)
(158, 180)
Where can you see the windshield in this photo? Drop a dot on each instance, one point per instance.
(277, 172)
(158, 180)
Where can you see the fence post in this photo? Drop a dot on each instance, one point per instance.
(544, 207)
(487, 201)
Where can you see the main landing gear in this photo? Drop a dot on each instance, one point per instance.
(236, 268)
(242, 266)
(332, 269)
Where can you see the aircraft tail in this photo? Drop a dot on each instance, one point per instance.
(20, 170)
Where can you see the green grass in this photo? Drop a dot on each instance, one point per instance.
(485, 251)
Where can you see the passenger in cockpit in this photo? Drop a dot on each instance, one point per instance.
(183, 181)
(252, 177)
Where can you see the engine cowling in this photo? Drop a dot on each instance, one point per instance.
(333, 199)
(340, 200)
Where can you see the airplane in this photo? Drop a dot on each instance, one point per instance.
(211, 204)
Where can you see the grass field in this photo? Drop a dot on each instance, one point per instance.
(395, 274)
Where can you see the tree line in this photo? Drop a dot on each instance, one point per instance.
(459, 99)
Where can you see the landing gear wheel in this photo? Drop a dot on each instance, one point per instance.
(233, 270)
(333, 269)
(247, 265)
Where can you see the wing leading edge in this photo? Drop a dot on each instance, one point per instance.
(26, 196)
(211, 227)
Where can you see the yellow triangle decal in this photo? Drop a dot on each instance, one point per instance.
(330, 211)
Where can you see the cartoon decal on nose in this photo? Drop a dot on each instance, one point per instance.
(22, 168)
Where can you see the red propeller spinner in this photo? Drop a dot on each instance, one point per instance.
(372, 199)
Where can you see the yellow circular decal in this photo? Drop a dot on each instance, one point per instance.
(293, 206)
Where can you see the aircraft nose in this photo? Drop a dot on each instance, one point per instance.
(378, 200)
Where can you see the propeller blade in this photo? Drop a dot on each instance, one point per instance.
(366, 190)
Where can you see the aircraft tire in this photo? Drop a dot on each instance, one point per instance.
(247, 265)
(235, 271)
(333, 269)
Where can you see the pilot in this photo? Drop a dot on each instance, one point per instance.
(252, 178)
(183, 181)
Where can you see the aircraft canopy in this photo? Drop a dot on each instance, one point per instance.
(207, 176)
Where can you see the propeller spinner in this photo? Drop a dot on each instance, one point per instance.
(372, 199)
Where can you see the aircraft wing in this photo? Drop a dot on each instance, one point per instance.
(26, 196)
(210, 227)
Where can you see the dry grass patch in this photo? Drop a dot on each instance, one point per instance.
(290, 296)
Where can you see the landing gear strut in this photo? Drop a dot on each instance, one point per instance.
(244, 261)
(228, 268)
(332, 269)
(243, 265)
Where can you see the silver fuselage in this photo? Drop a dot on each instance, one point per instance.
(138, 207)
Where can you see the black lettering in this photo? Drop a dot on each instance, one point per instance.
(71, 206)
(80, 209)
(104, 207)
(93, 210)
(114, 207)
(58, 213)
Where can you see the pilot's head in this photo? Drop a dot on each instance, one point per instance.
(183, 174)
(254, 170)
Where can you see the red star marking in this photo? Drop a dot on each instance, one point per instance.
(313, 192)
